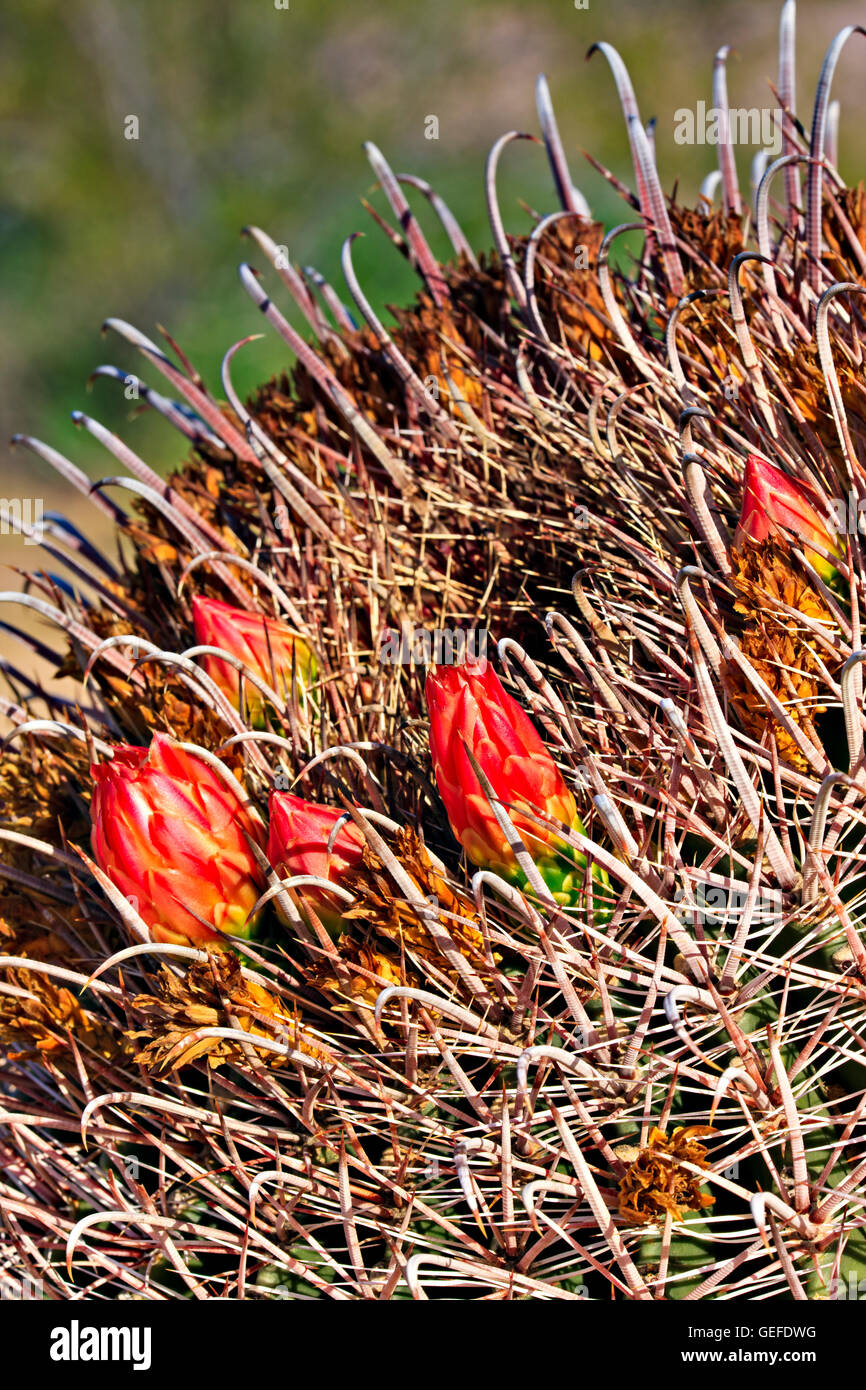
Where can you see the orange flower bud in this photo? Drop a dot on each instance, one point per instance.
(774, 502)
(300, 833)
(469, 708)
(268, 647)
(168, 832)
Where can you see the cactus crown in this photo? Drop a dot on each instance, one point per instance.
(644, 1082)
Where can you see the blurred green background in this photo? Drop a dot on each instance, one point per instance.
(253, 113)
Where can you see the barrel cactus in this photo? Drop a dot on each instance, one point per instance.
(548, 980)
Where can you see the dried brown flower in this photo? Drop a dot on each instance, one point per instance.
(214, 994)
(781, 648)
(654, 1185)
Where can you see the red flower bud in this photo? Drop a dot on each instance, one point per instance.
(468, 706)
(298, 841)
(168, 832)
(774, 502)
(267, 646)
